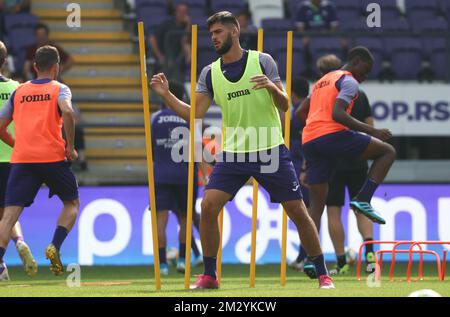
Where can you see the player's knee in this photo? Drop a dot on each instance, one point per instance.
(73, 204)
(390, 152)
(209, 209)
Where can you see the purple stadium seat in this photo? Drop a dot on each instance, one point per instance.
(357, 25)
(234, 7)
(206, 53)
(277, 25)
(395, 25)
(320, 46)
(200, 20)
(436, 51)
(348, 15)
(191, 3)
(275, 45)
(375, 45)
(19, 20)
(421, 5)
(150, 3)
(405, 55)
(292, 6)
(347, 4)
(152, 17)
(419, 10)
(435, 25)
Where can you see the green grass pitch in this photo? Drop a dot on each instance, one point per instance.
(138, 281)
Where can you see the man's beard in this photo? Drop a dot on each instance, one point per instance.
(226, 46)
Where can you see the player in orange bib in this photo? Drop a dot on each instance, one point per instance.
(39, 109)
(330, 135)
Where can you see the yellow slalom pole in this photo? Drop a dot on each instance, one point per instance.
(149, 150)
(190, 203)
(255, 198)
(219, 253)
(287, 139)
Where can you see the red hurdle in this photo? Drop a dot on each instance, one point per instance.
(441, 272)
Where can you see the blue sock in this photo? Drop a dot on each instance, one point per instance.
(210, 263)
(302, 254)
(182, 250)
(59, 236)
(162, 255)
(367, 191)
(2, 253)
(319, 263)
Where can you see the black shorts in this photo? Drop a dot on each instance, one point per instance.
(352, 180)
(25, 180)
(4, 174)
(173, 197)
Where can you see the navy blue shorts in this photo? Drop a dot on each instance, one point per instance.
(173, 197)
(4, 174)
(282, 184)
(322, 154)
(25, 180)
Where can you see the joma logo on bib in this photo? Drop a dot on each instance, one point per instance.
(35, 98)
(236, 94)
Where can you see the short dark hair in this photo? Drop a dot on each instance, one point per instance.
(362, 52)
(3, 53)
(45, 57)
(300, 86)
(42, 26)
(224, 17)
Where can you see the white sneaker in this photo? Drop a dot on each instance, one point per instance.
(298, 266)
(29, 263)
(4, 276)
(181, 265)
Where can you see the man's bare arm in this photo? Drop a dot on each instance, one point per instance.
(5, 136)
(160, 85)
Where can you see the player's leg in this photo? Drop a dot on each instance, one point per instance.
(61, 182)
(181, 263)
(21, 190)
(225, 181)
(24, 251)
(162, 217)
(335, 201)
(356, 180)
(10, 216)
(284, 188)
(383, 156)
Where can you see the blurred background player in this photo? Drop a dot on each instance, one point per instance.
(171, 180)
(7, 87)
(40, 154)
(330, 135)
(300, 91)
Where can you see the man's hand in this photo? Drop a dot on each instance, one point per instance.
(261, 81)
(160, 84)
(382, 134)
(71, 154)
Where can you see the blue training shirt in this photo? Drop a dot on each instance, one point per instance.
(166, 170)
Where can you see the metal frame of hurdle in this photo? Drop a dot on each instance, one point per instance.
(440, 265)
